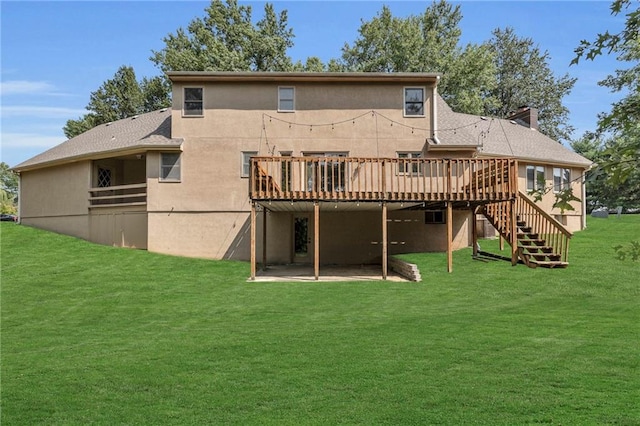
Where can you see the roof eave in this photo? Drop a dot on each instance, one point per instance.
(540, 161)
(315, 77)
(139, 149)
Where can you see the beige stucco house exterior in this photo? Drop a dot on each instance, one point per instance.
(318, 168)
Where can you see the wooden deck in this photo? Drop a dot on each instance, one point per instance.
(285, 182)
(382, 179)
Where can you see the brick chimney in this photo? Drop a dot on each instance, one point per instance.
(525, 116)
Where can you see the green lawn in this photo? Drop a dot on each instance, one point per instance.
(94, 334)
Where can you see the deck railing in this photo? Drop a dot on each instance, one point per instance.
(379, 179)
(120, 195)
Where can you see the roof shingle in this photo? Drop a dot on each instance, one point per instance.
(502, 138)
(144, 131)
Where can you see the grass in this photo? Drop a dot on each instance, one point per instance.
(94, 334)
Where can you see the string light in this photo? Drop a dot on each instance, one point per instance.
(483, 134)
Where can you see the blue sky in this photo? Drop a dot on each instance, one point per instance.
(55, 53)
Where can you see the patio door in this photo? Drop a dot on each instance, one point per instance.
(326, 175)
(302, 239)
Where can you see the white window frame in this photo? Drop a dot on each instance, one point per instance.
(170, 167)
(292, 99)
(561, 179)
(245, 170)
(106, 169)
(535, 184)
(405, 101)
(403, 168)
(185, 112)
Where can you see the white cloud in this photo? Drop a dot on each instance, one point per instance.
(41, 112)
(13, 87)
(30, 140)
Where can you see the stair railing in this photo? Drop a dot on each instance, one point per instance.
(541, 223)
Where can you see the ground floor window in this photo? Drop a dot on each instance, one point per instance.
(246, 162)
(170, 167)
(285, 172)
(561, 179)
(535, 178)
(104, 177)
(409, 167)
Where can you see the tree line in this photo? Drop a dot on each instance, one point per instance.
(492, 78)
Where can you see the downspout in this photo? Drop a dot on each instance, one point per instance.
(584, 199)
(19, 198)
(434, 107)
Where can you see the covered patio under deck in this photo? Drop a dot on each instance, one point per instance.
(350, 184)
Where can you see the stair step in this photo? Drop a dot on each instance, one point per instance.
(521, 223)
(532, 242)
(549, 263)
(544, 256)
(525, 229)
(528, 235)
(536, 249)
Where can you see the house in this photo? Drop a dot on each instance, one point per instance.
(315, 168)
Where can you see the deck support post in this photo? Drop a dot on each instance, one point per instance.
(514, 233)
(449, 237)
(253, 240)
(316, 240)
(474, 232)
(264, 239)
(384, 241)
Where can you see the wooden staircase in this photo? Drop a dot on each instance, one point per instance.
(539, 239)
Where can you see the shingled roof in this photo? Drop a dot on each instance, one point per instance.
(502, 138)
(139, 133)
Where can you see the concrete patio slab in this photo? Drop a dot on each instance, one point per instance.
(304, 273)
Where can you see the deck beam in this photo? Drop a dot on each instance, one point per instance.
(316, 240)
(264, 238)
(449, 237)
(384, 241)
(253, 240)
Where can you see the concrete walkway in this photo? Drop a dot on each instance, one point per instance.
(304, 273)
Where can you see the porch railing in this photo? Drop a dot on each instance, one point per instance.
(120, 195)
(374, 179)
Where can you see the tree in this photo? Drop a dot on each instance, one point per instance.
(426, 43)
(524, 78)
(121, 97)
(623, 120)
(8, 189)
(312, 64)
(227, 40)
(603, 189)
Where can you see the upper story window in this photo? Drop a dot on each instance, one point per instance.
(193, 101)
(409, 167)
(561, 179)
(414, 101)
(535, 178)
(170, 166)
(286, 99)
